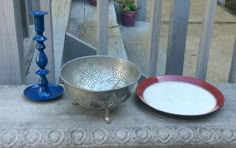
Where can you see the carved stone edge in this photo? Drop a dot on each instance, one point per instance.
(12, 86)
(99, 137)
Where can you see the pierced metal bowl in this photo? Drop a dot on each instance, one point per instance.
(99, 82)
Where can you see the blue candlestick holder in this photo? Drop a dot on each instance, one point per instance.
(42, 91)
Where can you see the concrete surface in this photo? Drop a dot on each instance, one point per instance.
(220, 52)
(58, 123)
(197, 10)
(136, 42)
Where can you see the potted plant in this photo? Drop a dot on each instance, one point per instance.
(128, 12)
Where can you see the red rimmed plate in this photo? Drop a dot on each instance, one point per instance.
(180, 96)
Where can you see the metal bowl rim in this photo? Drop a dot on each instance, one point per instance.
(100, 56)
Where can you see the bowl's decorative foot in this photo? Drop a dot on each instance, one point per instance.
(107, 116)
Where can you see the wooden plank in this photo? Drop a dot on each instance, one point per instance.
(154, 38)
(45, 5)
(60, 15)
(102, 27)
(232, 73)
(11, 44)
(76, 22)
(83, 23)
(177, 36)
(206, 39)
(142, 8)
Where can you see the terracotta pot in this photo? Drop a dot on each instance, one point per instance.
(128, 18)
(93, 2)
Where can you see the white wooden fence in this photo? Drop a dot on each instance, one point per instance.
(15, 20)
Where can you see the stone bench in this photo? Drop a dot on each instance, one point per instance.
(24, 123)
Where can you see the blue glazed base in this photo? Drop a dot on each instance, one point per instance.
(33, 92)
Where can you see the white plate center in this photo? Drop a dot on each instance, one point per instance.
(179, 98)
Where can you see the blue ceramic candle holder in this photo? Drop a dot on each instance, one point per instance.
(42, 91)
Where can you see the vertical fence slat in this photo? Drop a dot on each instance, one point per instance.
(36, 4)
(28, 4)
(154, 38)
(206, 39)
(102, 27)
(232, 73)
(142, 5)
(45, 5)
(11, 43)
(222, 2)
(24, 20)
(177, 36)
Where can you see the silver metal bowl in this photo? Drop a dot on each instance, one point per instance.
(99, 82)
